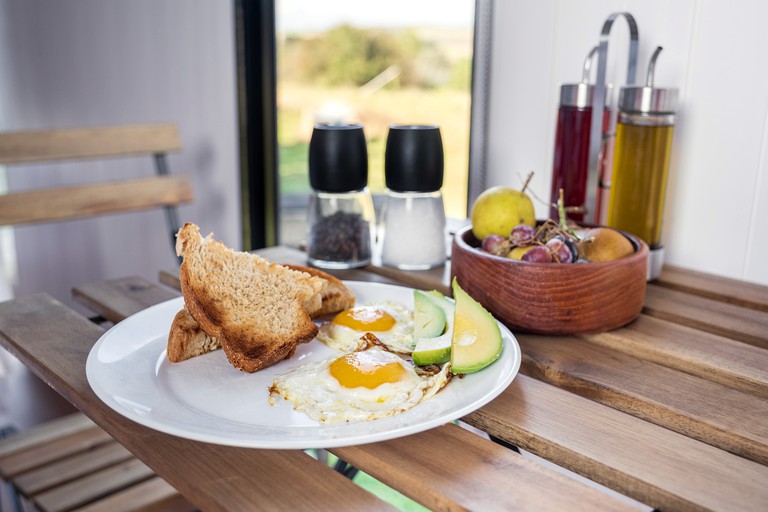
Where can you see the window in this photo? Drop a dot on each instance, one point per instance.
(377, 63)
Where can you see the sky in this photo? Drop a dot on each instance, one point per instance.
(300, 15)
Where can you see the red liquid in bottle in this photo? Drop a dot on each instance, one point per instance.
(571, 162)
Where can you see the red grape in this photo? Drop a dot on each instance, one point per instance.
(496, 244)
(522, 235)
(560, 251)
(538, 254)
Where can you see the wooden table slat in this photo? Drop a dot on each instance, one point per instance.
(35, 328)
(708, 315)
(449, 468)
(26, 460)
(92, 487)
(733, 291)
(42, 433)
(72, 467)
(709, 356)
(698, 408)
(649, 463)
(146, 496)
(119, 298)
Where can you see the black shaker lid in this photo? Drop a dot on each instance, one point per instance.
(413, 159)
(338, 158)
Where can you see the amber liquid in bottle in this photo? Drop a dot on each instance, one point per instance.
(640, 166)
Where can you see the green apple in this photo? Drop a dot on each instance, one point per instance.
(476, 341)
(499, 209)
(435, 349)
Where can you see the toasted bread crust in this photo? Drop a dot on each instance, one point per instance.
(186, 339)
(335, 296)
(252, 306)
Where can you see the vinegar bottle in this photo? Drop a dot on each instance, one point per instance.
(571, 158)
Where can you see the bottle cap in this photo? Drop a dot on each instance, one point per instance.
(581, 95)
(413, 159)
(338, 158)
(649, 99)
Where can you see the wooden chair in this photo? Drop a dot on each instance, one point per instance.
(63, 203)
(70, 463)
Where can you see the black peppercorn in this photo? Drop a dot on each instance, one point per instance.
(340, 237)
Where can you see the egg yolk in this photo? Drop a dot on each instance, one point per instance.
(365, 319)
(364, 369)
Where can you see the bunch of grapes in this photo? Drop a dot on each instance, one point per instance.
(549, 243)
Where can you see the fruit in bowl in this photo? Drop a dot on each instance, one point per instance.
(550, 242)
(499, 209)
(546, 297)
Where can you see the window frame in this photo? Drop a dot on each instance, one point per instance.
(257, 113)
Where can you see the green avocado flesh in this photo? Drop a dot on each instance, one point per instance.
(476, 341)
(432, 346)
(428, 317)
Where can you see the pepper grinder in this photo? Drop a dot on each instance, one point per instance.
(340, 211)
(412, 230)
(641, 163)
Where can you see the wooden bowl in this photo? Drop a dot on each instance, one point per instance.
(552, 298)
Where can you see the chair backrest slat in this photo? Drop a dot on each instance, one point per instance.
(112, 141)
(64, 203)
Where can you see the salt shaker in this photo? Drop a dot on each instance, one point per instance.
(341, 214)
(412, 231)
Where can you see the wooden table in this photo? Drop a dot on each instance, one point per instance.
(671, 410)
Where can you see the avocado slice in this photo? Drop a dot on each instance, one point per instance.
(428, 318)
(435, 349)
(476, 341)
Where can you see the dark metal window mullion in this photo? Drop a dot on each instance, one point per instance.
(257, 112)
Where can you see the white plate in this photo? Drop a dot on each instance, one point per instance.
(206, 399)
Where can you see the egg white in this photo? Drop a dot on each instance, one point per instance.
(399, 338)
(315, 391)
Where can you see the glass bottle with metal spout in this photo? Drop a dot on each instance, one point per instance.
(641, 162)
(571, 158)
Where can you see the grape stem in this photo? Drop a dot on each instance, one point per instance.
(527, 181)
(561, 210)
(563, 215)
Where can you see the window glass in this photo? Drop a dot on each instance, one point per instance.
(376, 63)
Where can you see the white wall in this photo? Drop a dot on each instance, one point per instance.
(99, 62)
(714, 52)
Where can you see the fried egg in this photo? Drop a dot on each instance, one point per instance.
(389, 321)
(358, 386)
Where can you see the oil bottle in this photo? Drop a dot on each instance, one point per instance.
(642, 149)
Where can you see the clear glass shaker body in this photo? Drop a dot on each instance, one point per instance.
(340, 229)
(412, 230)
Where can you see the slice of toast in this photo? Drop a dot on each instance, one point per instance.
(334, 296)
(187, 339)
(253, 307)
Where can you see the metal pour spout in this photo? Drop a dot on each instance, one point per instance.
(652, 66)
